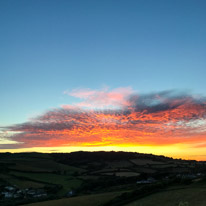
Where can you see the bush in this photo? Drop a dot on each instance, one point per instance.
(183, 204)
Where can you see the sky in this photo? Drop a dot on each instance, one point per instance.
(103, 75)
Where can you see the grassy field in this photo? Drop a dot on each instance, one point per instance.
(36, 170)
(189, 196)
(122, 174)
(20, 183)
(85, 200)
(145, 170)
(37, 165)
(119, 164)
(145, 162)
(186, 196)
(36, 162)
(163, 166)
(67, 182)
(42, 166)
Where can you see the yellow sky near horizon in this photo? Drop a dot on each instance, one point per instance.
(182, 151)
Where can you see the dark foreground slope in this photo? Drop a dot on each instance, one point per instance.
(182, 195)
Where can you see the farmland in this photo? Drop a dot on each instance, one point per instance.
(67, 182)
(191, 195)
(109, 178)
(86, 200)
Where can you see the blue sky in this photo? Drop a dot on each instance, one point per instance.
(48, 47)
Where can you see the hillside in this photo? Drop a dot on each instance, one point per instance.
(192, 195)
(36, 177)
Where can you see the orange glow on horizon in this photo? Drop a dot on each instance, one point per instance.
(174, 151)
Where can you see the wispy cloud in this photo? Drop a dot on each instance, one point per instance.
(161, 118)
(103, 98)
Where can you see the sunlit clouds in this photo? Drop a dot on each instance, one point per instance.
(118, 117)
(103, 98)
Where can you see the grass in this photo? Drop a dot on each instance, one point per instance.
(35, 170)
(36, 162)
(145, 170)
(191, 196)
(67, 182)
(42, 166)
(89, 177)
(163, 166)
(127, 174)
(119, 164)
(26, 184)
(122, 174)
(85, 200)
(145, 162)
(22, 184)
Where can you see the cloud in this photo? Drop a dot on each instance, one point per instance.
(101, 98)
(161, 118)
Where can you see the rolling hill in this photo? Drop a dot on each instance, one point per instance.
(113, 176)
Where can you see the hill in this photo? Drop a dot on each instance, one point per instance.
(35, 177)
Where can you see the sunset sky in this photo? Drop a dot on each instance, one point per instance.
(125, 75)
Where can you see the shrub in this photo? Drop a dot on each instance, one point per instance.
(183, 204)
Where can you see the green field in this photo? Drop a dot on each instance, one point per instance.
(85, 200)
(20, 183)
(67, 182)
(37, 162)
(189, 196)
(145, 162)
(38, 170)
(119, 164)
(193, 195)
(122, 174)
(43, 166)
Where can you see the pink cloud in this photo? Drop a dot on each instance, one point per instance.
(102, 98)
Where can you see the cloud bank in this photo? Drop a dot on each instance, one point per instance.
(123, 118)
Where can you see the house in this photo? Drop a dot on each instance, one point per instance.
(13, 192)
(7, 194)
(147, 181)
(10, 188)
(36, 193)
(70, 193)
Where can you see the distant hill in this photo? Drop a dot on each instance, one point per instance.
(111, 156)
